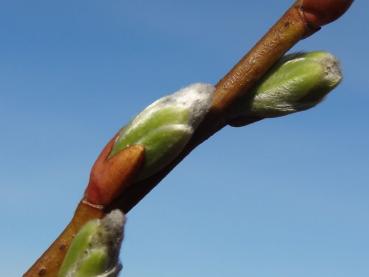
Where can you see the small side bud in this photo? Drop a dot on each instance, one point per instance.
(94, 252)
(296, 83)
(165, 127)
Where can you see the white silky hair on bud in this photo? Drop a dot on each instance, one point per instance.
(196, 98)
(110, 237)
(332, 68)
(112, 226)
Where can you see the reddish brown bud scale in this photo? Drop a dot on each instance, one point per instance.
(321, 12)
(110, 176)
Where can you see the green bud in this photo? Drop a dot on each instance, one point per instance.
(296, 83)
(165, 127)
(94, 252)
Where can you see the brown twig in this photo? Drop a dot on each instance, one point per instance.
(293, 26)
(111, 178)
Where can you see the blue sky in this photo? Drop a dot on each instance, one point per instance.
(283, 197)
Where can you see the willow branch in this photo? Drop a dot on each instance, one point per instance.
(300, 21)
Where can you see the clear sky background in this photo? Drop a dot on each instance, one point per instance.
(284, 197)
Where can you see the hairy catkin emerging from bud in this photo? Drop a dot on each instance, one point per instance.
(165, 127)
(94, 252)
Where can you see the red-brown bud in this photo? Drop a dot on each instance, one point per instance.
(321, 12)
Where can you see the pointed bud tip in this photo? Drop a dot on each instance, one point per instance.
(321, 12)
(331, 68)
(113, 224)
